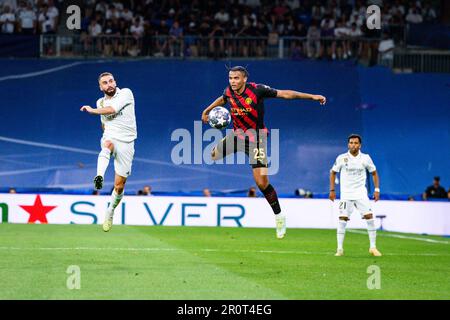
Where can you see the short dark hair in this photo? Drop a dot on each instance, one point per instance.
(437, 178)
(353, 136)
(241, 69)
(104, 74)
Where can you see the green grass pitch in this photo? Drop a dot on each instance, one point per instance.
(157, 262)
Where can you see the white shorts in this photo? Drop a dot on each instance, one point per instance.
(346, 207)
(123, 156)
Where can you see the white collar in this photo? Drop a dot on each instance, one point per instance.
(354, 157)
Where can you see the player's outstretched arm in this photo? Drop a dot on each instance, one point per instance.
(291, 94)
(100, 111)
(218, 102)
(376, 183)
(332, 195)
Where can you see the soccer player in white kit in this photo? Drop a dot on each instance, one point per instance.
(118, 119)
(352, 167)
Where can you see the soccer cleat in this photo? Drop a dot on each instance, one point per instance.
(339, 253)
(107, 224)
(374, 252)
(281, 225)
(98, 182)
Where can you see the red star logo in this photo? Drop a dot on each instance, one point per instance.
(38, 211)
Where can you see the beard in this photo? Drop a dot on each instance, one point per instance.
(110, 93)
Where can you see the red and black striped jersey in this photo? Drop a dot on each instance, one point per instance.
(247, 109)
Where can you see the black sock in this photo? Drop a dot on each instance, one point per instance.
(272, 198)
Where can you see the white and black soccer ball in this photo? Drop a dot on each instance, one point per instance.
(219, 118)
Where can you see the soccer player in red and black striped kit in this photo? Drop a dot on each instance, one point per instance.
(249, 133)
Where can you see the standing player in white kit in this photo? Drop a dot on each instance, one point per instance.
(116, 109)
(352, 166)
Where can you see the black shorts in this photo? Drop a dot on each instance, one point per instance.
(256, 150)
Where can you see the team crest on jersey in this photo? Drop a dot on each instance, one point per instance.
(345, 160)
(248, 101)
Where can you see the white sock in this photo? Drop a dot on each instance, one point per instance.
(115, 199)
(281, 215)
(341, 234)
(372, 231)
(103, 161)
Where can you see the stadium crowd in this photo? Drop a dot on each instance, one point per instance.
(326, 29)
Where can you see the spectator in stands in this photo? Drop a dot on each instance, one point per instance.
(206, 192)
(96, 193)
(95, 29)
(112, 13)
(161, 33)
(53, 12)
(216, 41)
(414, 16)
(411, 198)
(47, 20)
(176, 43)
(251, 192)
(222, 16)
(27, 19)
(12, 190)
(386, 50)
(429, 14)
(435, 191)
(147, 191)
(339, 47)
(7, 20)
(110, 43)
(326, 32)
(313, 41)
(298, 50)
(127, 14)
(354, 45)
(448, 194)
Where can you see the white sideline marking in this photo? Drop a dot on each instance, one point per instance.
(85, 151)
(331, 253)
(38, 73)
(401, 237)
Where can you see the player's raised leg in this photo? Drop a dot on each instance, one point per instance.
(116, 197)
(372, 231)
(102, 163)
(262, 181)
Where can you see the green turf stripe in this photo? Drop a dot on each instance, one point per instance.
(4, 208)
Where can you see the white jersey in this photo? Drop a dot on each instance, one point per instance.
(121, 125)
(353, 174)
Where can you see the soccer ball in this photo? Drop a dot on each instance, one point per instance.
(219, 118)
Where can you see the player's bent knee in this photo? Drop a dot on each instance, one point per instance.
(108, 144)
(262, 184)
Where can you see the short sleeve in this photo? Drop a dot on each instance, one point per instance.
(225, 97)
(124, 99)
(266, 91)
(337, 165)
(370, 165)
